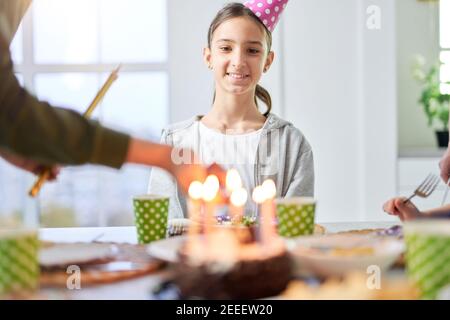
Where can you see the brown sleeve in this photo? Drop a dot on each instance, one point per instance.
(51, 135)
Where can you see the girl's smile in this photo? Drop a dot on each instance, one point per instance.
(238, 78)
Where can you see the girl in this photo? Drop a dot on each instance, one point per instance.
(235, 133)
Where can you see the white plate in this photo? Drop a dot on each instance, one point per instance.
(310, 260)
(64, 254)
(166, 249)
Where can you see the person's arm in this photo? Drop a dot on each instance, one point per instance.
(11, 14)
(443, 212)
(166, 157)
(405, 211)
(444, 164)
(48, 135)
(28, 165)
(301, 179)
(408, 211)
(302, 182)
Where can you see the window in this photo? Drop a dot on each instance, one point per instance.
(445, 45)
(63, 52)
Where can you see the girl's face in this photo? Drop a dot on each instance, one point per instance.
(238, 55)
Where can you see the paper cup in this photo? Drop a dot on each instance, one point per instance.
(428, 255)
(19, 266)
(295, 216)
(150, 216)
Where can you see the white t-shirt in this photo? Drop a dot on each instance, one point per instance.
(231, 151)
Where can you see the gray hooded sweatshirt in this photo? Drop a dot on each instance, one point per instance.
(283, 155)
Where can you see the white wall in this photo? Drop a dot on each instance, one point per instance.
(418, 33)
(191, 86)
(335, 80)
(378, 105)
(341, 92)
(321, 96)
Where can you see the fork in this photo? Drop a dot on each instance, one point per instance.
(446, 192)
(426, 188)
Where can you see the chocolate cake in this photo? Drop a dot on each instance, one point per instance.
(255, 272)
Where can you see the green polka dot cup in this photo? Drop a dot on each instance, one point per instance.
(150, 217)
(428, 255)
(295, 216)
(19, 266)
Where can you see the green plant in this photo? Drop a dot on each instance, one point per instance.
(435, 104)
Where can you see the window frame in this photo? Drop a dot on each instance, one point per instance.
(444, 86)
(28, 69)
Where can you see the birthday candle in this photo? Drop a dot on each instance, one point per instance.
(258, 197)
(209, 194)
(264, 196)
(233, 180)
(194, 206)
(269, 209)
(238, 195)
(238, 199)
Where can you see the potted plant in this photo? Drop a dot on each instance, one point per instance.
(435, 104)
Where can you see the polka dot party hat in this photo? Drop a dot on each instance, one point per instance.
(268, 11)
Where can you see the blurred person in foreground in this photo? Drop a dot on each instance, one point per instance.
(34, 134)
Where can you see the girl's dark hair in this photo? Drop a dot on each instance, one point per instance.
(236, 10)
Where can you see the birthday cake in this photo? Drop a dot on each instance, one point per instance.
(237, 258)
(245, 228)
(230, 269)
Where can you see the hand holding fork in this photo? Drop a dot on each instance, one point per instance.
(404, 208)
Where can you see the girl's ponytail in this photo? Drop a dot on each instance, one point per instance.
(263, 95)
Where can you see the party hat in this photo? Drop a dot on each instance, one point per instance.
(268, 11)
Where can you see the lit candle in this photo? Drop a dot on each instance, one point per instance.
(209, 193)
(238, 195)
(259, 198)
(264, 196)
(233, 180)
(269, 209)
(194, 206)
(238, 199)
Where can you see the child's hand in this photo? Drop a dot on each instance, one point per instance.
(405, 211)
(187, 173)
(219, 172)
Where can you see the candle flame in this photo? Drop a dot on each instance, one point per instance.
(195, 190)
(239, 197)
(270, 190)
(258, 195)
(233, 180)
(210, 188)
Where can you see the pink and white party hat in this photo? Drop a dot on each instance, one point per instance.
(268, 11)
